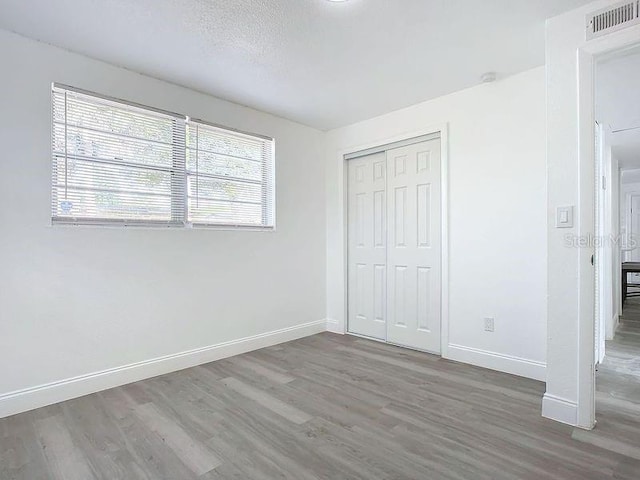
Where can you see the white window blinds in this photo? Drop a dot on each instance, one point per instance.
(117, 162)
(229, 177)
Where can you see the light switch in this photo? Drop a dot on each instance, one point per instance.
(564, 217)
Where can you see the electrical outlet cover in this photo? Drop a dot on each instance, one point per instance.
(489, 324)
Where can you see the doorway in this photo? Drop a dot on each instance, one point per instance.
(394, 250)
(617, 265)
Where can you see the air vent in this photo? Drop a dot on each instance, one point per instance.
(613, 18)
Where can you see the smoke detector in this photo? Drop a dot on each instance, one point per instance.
(488, 77)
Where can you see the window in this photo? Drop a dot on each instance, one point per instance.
(229, 177)
(115, 162)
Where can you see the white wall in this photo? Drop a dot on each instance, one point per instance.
(630, 175)
(77, 300)
(497, 227)
(630, 185)
(570, 274)
(616, 268)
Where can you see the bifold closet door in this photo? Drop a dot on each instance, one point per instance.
(413, 246)
(367, 246)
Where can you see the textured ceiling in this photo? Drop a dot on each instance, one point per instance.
(618, 104)
(320, 63)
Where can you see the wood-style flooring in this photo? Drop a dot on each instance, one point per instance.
(618, 389)
(323, 407)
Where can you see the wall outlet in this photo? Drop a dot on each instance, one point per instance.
(489, 324)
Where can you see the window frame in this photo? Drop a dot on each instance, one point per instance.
(179, 174)
(267, 181)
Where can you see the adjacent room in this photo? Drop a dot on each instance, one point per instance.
(617, 255)
(319, 239)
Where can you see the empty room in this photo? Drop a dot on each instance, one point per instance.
(319, 239)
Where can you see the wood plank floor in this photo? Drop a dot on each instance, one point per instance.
(618, 389)
(323, 407)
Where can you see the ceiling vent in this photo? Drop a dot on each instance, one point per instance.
(614, 18)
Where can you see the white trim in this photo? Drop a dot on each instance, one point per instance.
(602, 250)
(586, 277)
(444, 240)
(522, 367)
(559, 409)
(333, 326)
(443, 130)
(54, 392)
(615, 321)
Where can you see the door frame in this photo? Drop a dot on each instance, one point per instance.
(628, 207)
(587, 57)
(443, 130)
(602, 277)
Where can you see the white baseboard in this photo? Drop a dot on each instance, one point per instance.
(497, 361)
(560, 409)
(42, 395)
(613, 327)
(333, 326)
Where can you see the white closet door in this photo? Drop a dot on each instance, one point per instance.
(367, 246)
(413, 246)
